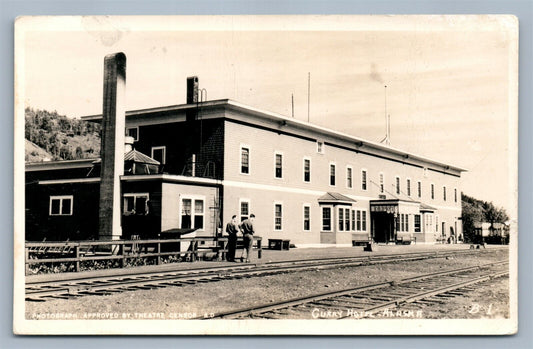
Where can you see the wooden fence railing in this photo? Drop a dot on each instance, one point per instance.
(96, 250)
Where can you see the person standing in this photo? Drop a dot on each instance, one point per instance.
(247, 229)
(232, 230)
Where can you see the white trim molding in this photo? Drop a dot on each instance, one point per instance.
(61, 199)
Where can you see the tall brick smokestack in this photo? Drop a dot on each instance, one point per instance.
(112, 149)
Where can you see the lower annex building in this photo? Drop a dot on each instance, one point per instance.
(194, 165)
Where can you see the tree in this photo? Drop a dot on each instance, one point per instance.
(478, 211)
(79, 153)
(471, 213)
(64, 153)
(61, 136)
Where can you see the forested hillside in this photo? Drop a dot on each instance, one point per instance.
(477, 211)
(59, 137)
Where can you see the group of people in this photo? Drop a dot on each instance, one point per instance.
(246, 227)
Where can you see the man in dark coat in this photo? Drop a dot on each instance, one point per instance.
(247, 229)
(232, 230)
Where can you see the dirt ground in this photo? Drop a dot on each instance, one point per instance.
(206, 299)
(489, 301)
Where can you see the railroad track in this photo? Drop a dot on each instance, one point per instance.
(368, 301)
(102, 285)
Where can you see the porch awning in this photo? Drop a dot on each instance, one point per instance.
(387, 208)
(426, 208)
(394, 206)
(335, 199)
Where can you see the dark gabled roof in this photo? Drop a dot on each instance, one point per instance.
(424, 207)
(135, 156)
(334, 197)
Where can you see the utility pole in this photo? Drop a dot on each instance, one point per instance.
(308, 95)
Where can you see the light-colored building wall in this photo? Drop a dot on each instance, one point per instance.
(264, 144)
(262, 201)
(262, 187)
(171, 206)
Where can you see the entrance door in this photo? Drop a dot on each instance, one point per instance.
(383, 224)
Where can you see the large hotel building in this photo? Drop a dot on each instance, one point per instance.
(193, 166)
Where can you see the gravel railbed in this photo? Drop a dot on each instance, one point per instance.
(207, 298)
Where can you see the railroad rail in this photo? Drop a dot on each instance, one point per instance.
(76, 285)
(368, 301)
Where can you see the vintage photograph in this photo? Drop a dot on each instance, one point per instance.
(266, 175)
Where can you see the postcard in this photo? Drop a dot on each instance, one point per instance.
(266, 175)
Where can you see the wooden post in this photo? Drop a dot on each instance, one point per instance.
(77, 255)
(194, 250)
(27, 259)
(123, 253)
(158, 260)
(259, 249)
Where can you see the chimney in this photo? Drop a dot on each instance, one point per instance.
(192, 89)
(112, 148)
(128, 144)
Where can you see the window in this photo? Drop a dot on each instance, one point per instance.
(455, 194)
(408, 187)
(331, 174)
(277, 216)
(361, 220)
(61, 205)
(245, 160)
(344, 219)
(347, 219)
(307, 170)
(279, 165)
(199, 214)
(402, 222)
(186, 206)
(417, 223)
(437, 223)
(307, 218)
(348, 177)
(444, 193)
(133, 132)
(419, 184)
(398, 185)
(428, 222)
(353, 219)
(244, 209)
(398, 220)
(320, 147)
(381, 183)
(159, 154)
(192, 213)
(326, 218)
(136, 204)
(432, 191)
(363, 179)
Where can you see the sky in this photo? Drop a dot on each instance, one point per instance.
(451, 81)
